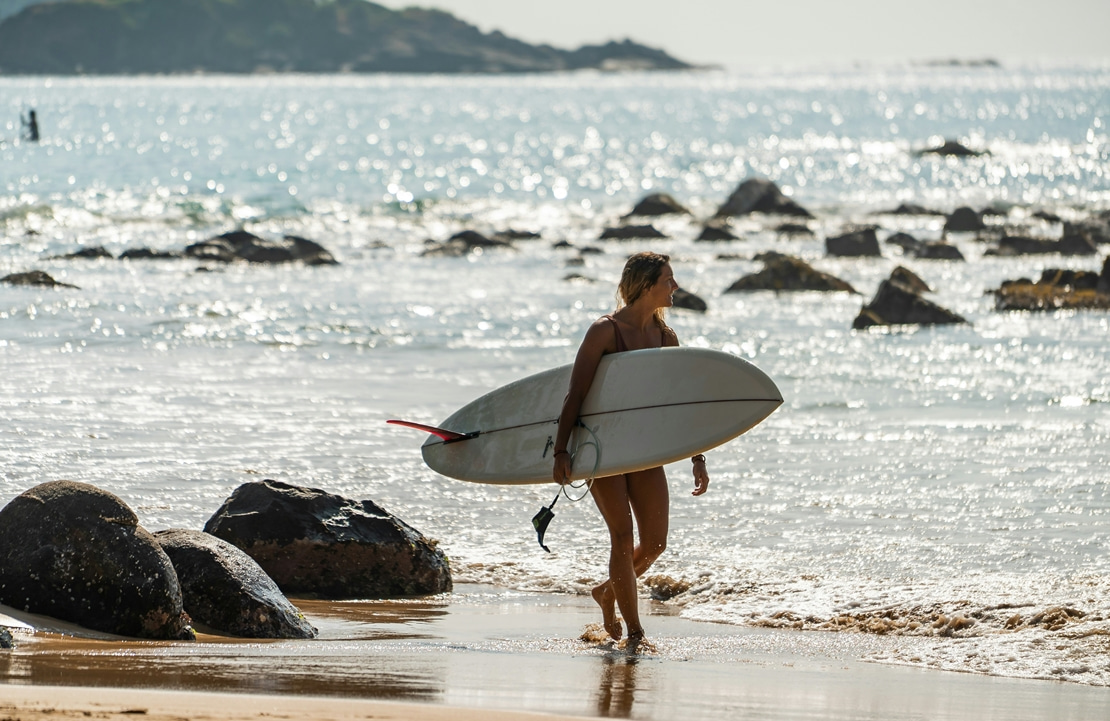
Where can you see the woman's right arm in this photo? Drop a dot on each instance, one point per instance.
(599, 339)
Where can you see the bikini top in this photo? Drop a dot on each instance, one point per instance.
(621, 345)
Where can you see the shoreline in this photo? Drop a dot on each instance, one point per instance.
(492, 653)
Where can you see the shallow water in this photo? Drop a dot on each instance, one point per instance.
(910, 475)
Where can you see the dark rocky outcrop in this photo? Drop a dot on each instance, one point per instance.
(93, 253)
(316, 543)
(464, 243)
(1057, 289)
(793, 229)
(909, 280)
(1075, 244)
(936, 250)
(905, 241)
(787, 273)
(854, 244)
(952, 147)
(895, 304)
(658, 204)
(688, 301)
(631, 232)
(34, 277)
(77, 553)
(148, 254)
(508, 236)
(223, 588)
(714, 232)
(963, 220)
(239, 245)
(759, 195)
(1096, 229)
(911, 209)
(246, 36)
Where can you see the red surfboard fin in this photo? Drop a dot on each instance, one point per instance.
(446, 435)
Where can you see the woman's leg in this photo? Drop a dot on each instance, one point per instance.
(642, 495)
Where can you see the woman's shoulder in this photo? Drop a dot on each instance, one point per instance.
(670, 338)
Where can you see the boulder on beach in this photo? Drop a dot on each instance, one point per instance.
(34, 277)
(1057, 289)
(77, 553)
(895, 304)
(316, 543)
(905, 241)
(658, 204)
(631, 232)
(1075, 244)
(964, 220)
(911, 209)
(936, 250)
(239, 245)
(787, 273)
(759, 195)
(463, 243)
(1096, 229)
(688, 301)
(225, 589)
(859, 243)
(954, 148)
(793, 229)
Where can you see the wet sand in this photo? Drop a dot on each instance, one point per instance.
(483, 650)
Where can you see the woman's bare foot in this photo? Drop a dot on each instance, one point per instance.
(636, 641)
(604, 598)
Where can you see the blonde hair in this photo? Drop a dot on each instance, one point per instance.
(641, 272)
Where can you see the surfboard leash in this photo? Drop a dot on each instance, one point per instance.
(542, 520)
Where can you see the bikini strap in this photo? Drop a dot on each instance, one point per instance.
(621, 345)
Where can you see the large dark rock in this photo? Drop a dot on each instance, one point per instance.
(759, 195)
(909, 280)
(963, 220)
(686, 300)
(715, 232)
(786, 273)
(226, 590)
(911, 209)
(894, 304)
(937, 250)
(905, 241)
(34, 277)
(855, 244)
(631, 232)
(77, 553)
(463, 243)
(241, 245)
(95, 252)
(148, 254)
(1057, 289)
(1096, 229)
(658, 204)
(1074, 244)
(312, 542)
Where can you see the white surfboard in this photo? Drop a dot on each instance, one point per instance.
(645, 408)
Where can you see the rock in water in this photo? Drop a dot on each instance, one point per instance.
(77, 553)
(222, 587)
(895, 304)
(241, 245)
(855, 244)
(659, 204)
(787, 273)
(312, 542)
(759, 195)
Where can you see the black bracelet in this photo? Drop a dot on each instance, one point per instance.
(558, 452)
(697, 458)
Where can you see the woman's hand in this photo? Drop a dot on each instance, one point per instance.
(701, 477)
(560, 471)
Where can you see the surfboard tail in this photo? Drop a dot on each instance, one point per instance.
(446, 435)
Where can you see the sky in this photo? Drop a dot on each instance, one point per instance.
(739, 33)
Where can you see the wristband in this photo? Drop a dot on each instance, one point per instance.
(697, 458)
(558, 452)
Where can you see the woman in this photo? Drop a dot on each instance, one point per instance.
(645, 290)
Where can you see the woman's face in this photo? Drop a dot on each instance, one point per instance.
(664, 288)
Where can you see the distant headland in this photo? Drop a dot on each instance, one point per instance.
(109, 37)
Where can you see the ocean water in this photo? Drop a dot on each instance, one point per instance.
(947, 484)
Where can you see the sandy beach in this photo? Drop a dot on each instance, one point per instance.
(490, 653)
